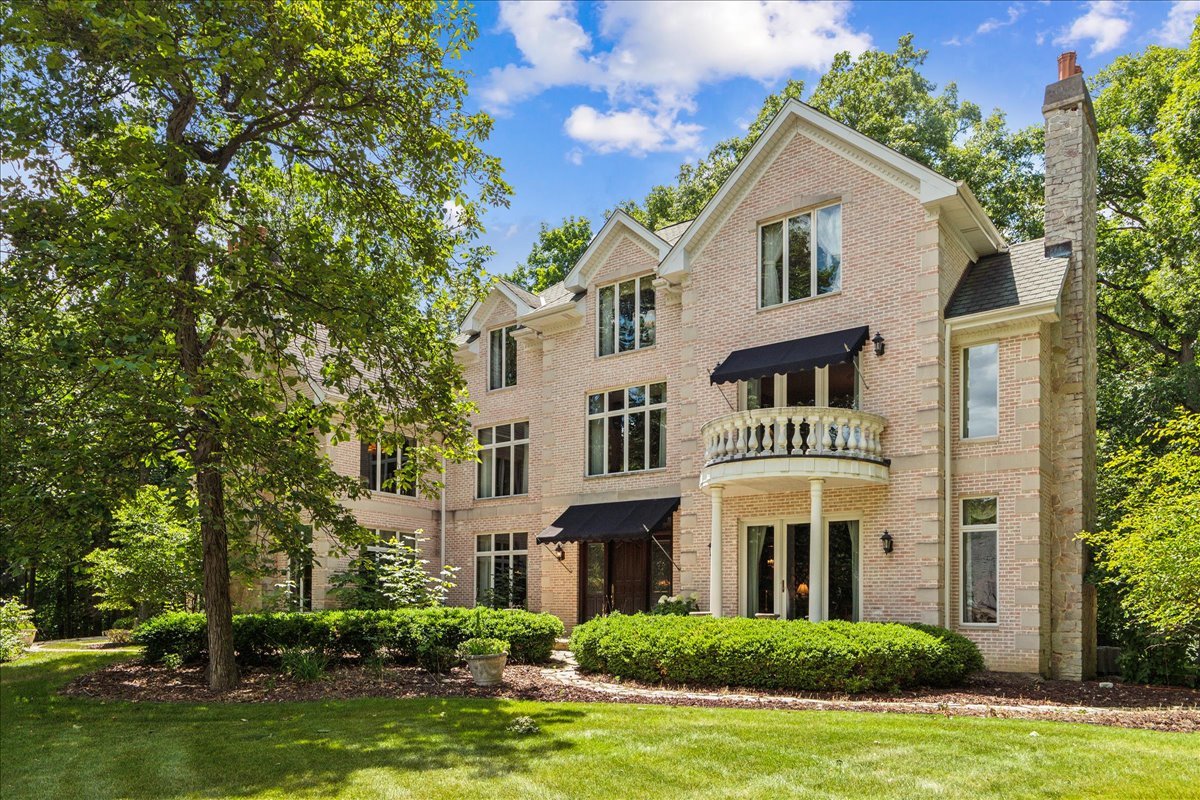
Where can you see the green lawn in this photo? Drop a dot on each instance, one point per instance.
(64, 748)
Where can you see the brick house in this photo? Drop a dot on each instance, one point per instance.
(837, 393)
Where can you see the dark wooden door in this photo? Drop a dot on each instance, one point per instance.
(629, 571)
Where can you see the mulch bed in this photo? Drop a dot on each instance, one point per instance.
(992, 694)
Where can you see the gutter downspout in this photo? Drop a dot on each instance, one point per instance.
(947, 470)
(442, 517)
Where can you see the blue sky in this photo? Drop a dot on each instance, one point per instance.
(597, 102)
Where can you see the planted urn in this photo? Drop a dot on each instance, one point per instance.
(486, 659)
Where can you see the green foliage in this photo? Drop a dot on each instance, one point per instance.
(154, 563)
(776, 654)
(119, 635)
(14, 618)
(482, 646)
(1149, 550)
(554, 253)
(524, 726)
(303, 664)
(412, 634)
(358, 586)
(679, 606)
(172, 661)
(218, 209)
(404, 580)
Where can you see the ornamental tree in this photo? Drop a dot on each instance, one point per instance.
(251, 226)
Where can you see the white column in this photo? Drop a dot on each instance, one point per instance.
(714, 554)
(816, 552)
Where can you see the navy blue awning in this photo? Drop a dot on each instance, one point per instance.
(605, 522)
(810, 352)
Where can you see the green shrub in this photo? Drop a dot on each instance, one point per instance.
(773, 654)
(119, 635)
(14, 619)
(172, 661)
(409, 633)
(678, 606)
(482, 647)
(303, 664)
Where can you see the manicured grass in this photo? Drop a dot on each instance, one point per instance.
(58, 748)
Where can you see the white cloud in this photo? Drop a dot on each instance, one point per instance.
(1105, 25)
(656, 56)
(633, 130)
(1177, 27)
(1014, 13)
(452, 213)
(511, 231)
(575, 156)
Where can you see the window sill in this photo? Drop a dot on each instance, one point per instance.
(502, 388)
(979, 625)
(625, 473)
(502, 497)
(378, 495)
(979, 439)
(628, 352)
(797, 301)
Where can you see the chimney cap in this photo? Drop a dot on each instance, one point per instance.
(1067, 66)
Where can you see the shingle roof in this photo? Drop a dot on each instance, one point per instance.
(672, 233)
(1024, 275)
(531, 299)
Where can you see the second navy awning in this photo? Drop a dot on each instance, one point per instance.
(809, 352)
(606, 522)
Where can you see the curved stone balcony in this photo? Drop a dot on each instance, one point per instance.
(775, 449)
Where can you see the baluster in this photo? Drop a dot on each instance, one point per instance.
(842, 434)
(724, 449)
(797, 441)
(780, 435)
(753, 431)
(825, 421)
(740, 444)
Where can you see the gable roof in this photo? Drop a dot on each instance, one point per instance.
(1023, 275)
(930, 188)
(671, 233)
(577, 278)
(524, 302)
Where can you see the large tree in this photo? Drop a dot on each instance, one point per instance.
(253, 224)
(554, 253)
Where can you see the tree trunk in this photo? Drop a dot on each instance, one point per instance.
(218, 610)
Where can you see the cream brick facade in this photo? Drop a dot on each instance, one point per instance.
(908, 238)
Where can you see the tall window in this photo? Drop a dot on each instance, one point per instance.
(501, 570)
(981, 391)
(626, 315)
(980, 561)
(627, 429)
(502, 358)
(503, 460)
(800, 256)
(382, 467)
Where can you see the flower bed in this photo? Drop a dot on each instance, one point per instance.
(404, 633)
(774, 654)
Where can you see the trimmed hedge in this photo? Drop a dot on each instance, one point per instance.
(402, 633)
(774, 654)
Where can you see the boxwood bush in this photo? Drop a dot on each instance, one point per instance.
(773, 654)
(402, 633)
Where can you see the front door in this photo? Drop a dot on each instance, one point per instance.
(630, 567)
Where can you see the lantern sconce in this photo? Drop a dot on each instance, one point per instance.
(559, 553)
(878, 342)
(887, 542)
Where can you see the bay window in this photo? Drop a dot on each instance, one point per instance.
(627, 429)
(503, 468)
(800, 256)
(626, 318)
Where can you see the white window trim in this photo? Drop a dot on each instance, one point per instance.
(963, 530)
(490, 555)
(812, 276)
(820, 388)
(493, 446)
(506, 339)
(781, 524)
(637, 315)
(964, 395)
(395, 491)
(605, 415)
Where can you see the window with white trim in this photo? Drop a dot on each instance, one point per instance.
(502, 358)
(501, 569)
(626, 315)
(800, 256)
(980, 561)
(835, 386)
(627, 429)
(981, 391)
(382, 467)
(503, 468)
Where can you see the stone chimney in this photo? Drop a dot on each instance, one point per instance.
(1071, 234)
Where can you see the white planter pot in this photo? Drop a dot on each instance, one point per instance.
(487, 670)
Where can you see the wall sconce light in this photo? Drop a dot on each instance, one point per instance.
(887, 542)
(878, 342)
(559, 553)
